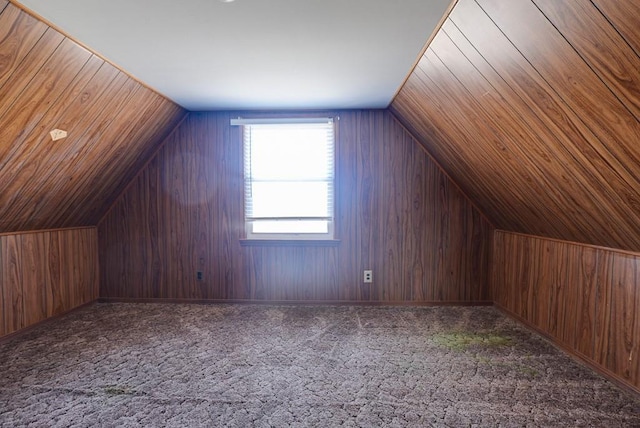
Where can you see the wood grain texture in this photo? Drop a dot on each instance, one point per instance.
(623, 15)
(44, 274)
(601, 46)
(532, 107)
(114, 124)
(396, 213)
(587, 298)
(13, 312)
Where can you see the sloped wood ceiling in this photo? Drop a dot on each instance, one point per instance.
(114, 124)
(533, 107)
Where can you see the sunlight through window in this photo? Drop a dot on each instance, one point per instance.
(289, 178)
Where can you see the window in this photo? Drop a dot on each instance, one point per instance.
(288, 178)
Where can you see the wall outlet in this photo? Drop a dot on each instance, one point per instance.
(200, 275)
(368, 276)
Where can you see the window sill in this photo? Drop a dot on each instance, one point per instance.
(289, 242)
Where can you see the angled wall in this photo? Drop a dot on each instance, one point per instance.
(397, 214)
(114, 124)
(533, 107)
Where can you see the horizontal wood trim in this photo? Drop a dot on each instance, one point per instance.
(577, 356)
(63, 229)
(295, 302)
(564, 241)
(290, 242)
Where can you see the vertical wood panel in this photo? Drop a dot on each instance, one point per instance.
(624, 328)
(396, 213)
(35, 277)
(43, 274)
(582, 281)
(602, 340)
(54, 300)
(522, 291)
(11, 277)
(538, 277)
(585, 297)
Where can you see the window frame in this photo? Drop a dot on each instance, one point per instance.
(251, 238)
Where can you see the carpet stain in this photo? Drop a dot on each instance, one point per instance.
(182, 365)
(459, 341)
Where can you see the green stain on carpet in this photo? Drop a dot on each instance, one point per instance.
(459, 341)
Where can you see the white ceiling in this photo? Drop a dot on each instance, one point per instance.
(255, 54)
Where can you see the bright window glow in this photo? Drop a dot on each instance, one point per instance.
(289, 180)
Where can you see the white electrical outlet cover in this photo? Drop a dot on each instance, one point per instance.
(58, 134)
(368, 276)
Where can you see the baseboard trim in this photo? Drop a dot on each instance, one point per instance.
(27, 329)
(614, 378)
(295, 302)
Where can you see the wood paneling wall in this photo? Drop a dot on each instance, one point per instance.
(114, 124)
(44, 274)
(397, 214)
(587, 298)
(533, 107)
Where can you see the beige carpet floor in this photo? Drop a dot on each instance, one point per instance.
(165, 365)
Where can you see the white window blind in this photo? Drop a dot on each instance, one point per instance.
(289, 178)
